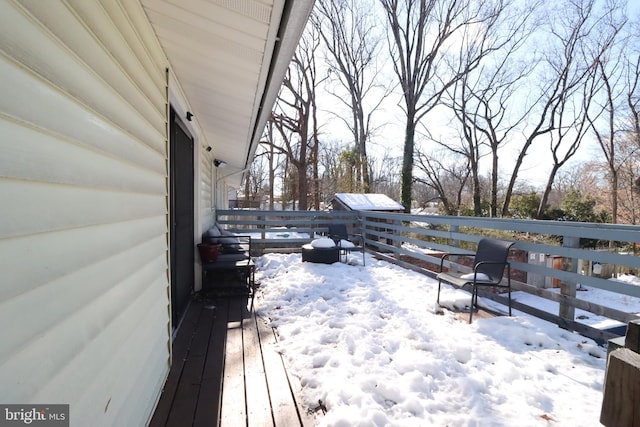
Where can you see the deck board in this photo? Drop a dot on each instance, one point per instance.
(233, 392)
(209, 399)
(258, 402)
(226, 371)
(181, 345)
(184, 405)
(284, 407)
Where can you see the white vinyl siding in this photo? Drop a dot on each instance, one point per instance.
(84, 302)
(206, 189)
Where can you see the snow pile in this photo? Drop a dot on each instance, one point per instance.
(368, 344)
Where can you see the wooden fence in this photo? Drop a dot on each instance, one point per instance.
(414, 241)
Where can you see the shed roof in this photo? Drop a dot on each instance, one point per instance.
(368, 202)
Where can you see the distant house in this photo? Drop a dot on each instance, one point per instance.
(124, 123)
(364, 202)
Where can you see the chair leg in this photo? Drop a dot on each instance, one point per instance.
(509, 291)
(474, 301)
(509, 285)
(438, 299)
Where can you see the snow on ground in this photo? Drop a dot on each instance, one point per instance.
(368, 344)
(624, 303)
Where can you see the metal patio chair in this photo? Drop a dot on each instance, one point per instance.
(346, 242)
(489, 263)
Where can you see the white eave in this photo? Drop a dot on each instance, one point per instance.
(229, 58)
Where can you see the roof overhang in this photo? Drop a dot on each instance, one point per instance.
(229, 58)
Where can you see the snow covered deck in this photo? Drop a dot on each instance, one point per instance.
(370, 343)
(367, 344)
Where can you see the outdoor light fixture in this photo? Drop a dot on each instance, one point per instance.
(219, 163)
(189, 115)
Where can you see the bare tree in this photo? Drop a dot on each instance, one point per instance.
(267, 145)
(632, 77)
(629, 181)
(330, 162)
(352, 47)
(294, 116)
(483, 100)
(585, 38)
(384, 174)
(255, 182)
(615, 71)
(566, 88)
(446, 176)
(628, 139)
(586, 177)
(633, 99)
(421, 34)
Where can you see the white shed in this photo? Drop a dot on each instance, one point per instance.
(111, 115)
(365, 202)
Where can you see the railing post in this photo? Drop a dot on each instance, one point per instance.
(360, 220)
(262, 219)
(454, 228)
(568, 288)
(397, 239)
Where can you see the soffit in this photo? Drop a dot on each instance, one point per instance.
(229, 57)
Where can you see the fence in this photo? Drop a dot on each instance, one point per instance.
(284, 230)
(414, 241)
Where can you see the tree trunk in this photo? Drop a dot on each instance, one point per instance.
(494, 184)
(514, 176)
(547, 191)
(614, 196)
(477, 197)
(407, 163)
(272, 177)
(303, 190)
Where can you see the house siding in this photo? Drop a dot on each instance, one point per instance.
(206, 191)
(83, 215)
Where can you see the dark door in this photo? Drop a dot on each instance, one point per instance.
(181, 214)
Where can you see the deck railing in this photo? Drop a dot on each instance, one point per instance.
(546, 253)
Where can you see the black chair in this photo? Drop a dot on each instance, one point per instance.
(338, 233)
(489, 264)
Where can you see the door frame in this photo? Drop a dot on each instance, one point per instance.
(176, 100)
(181, 231)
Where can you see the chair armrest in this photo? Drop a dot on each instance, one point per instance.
(353, 238)
(475, 267)
(445, 256)
(334, 237)
(357, 237)
(497, 279)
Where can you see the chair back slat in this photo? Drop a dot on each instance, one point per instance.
(490, 250)
(338, 230)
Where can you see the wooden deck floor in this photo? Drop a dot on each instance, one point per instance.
(226, 371)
